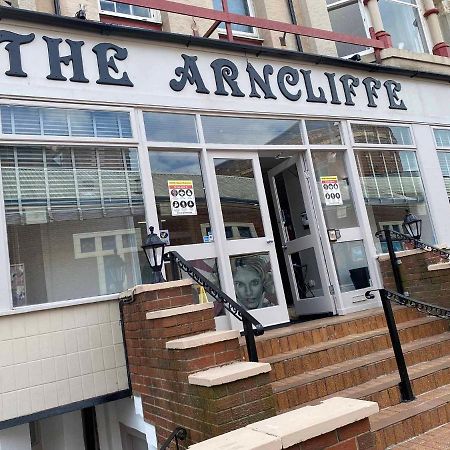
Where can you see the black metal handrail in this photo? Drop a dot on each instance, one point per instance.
(179, 433)
(405, 387)
(238, 311)
(388, 234)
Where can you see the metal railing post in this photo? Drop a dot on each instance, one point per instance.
(394, 263)
(405, 383)
(250, 340)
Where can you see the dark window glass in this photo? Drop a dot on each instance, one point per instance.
(166, 127)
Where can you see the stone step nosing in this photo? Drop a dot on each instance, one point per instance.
(342, 367)
(170, 312)
(202, 339)
(229, 373)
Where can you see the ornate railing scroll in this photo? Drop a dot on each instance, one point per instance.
(179, 434)
(417, 244)
(238, 311)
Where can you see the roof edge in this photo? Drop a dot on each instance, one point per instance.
(186, 40)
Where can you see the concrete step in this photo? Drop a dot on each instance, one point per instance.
(301, 335)
(299, 389)
(348, 347)
(403, 421)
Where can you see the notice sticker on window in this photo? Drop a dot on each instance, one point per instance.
(182, 198)
(331, 191)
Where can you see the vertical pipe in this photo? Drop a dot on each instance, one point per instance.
(405, 384)
(394, 263)
(294, 21)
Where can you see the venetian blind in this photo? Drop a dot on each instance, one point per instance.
(444, 161)
(389, 177)
(41, 184)
(442, 137)
(37, 121)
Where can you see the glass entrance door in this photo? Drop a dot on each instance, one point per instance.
(243, 232)
(342, 226)
(302, 246)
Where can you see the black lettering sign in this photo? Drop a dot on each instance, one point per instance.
(225, 70)
(264, 84)
(13, 48)
(106, 64)
(290, 76)
(313, 98)
(349, 82)
(189, 72)
(371, 85)
(392, 89)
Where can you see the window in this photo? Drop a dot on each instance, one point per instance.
(342, 14)
(167, 127)
(75, 221)
(381, 134)
(37, 121)
(401, 19)
(391, 185)
(444, 161)
(442, 137)
(184, 224)
(132, 11)
(245, 131)
(241, 7)
(323, 132)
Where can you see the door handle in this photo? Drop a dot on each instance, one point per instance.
(269, 241)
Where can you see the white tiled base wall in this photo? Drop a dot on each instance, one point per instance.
(59, 356)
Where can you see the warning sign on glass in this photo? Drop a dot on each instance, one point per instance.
(331, 191)
(182, 199)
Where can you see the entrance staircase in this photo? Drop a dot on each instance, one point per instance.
(351, 356)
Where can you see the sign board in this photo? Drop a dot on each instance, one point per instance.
(331, 191)
(182, 198)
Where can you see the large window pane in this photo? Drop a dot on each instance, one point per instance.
(75, 222)
(347, 19)
(391, 185)
(185, 226)
(444, 161)
(239, 198)
(404, 25)
(253, 281)
(166, 127)
(442, 137)
(239, 130)
(364, 133)
(327, 166)
(323, 132)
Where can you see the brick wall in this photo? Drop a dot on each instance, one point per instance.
(160, 376)
(422, 284)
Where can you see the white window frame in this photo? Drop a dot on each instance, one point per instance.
(361, 145)
(155, 15)
(367, 22)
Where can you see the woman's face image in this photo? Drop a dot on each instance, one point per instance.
(249, 287)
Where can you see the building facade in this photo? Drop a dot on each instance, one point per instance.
(268, 168)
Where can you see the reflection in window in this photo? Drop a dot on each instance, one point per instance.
(323, 132)
(442, 137)
(341, 16)
(244, 131)
(253, 281)
(444, 161)
(179, 166)
(381, 134)
(351, 265)
(166, 127)
(239, 198)
(391, 184)
(138, 12)
(68, 213)
(332, 164)
(402, 20)
(307, 275)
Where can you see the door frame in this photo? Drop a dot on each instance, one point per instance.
(314, 305)
(275, 315)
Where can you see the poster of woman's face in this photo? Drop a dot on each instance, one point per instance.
(18, 286)
(253, 282)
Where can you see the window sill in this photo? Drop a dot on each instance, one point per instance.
(243, 39)
(60, 304)
(114, 19)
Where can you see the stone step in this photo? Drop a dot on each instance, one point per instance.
(297, 390)
(301, 335)
(202, 339)
(384, 390)
(352, 346)
(403, 421)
